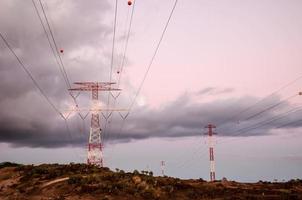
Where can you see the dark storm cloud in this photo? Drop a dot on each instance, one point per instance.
(180, 118)
(79, 28)
(183, 118)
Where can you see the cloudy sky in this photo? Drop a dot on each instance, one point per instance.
(217, 62)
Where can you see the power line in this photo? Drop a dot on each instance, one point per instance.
(113, 39)
(270, 107)
(151, 61)
(290, 123)
(112, 59)
(54, 52)
(269, 121)
(126, 45)
(261, 100)
(264, 110)
(31, 77)
(55, 43)
(153, 57)
(119, 133)
(266, 122)
(50, 45)
(187, 162)
(122, 46)
(120, 71)
(71, 138)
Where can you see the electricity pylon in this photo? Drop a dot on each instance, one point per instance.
(162, 166)
(210, 134)
(95, 148)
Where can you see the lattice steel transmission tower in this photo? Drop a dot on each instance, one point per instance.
(95, 153)
(162, 166)
(210, 134)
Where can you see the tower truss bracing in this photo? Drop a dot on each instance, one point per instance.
(162, 166)
(95, 148)
(210, 134)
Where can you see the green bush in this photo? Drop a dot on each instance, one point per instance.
(8, 164)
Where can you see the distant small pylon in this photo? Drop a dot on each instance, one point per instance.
(162, 166)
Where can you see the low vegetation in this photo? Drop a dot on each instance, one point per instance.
(79, 181)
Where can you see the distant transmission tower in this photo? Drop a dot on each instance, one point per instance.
(210, 134)
(95, 153)
(162, 166)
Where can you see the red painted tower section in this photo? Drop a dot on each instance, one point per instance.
(95, 151)
(210, 133)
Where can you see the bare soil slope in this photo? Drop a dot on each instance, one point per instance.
(79, 181)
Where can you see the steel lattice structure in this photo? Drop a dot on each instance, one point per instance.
(210, 134)
(162, 165)
(95, 153)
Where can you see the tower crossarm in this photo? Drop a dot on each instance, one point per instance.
(94, 83)
(95, 148)
(96, 110)
(94, 88)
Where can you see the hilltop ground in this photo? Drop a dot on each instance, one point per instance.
(79, 181)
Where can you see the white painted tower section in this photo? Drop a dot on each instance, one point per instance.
(162, 165)
(210, 133)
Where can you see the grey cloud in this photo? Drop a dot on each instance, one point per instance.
(185, 118)
(80, 29)
(205, 90)
(181, 118)
(215, 91)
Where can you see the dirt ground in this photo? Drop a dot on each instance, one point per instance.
(79, 181)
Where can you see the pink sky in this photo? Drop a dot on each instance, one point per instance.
(253, 47)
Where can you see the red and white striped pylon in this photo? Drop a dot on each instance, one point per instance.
(95, 148)
(210, 134)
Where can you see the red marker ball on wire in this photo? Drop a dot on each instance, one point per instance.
(61, 51)
(129, 3)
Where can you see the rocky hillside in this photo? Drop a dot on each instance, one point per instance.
(79, 181)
